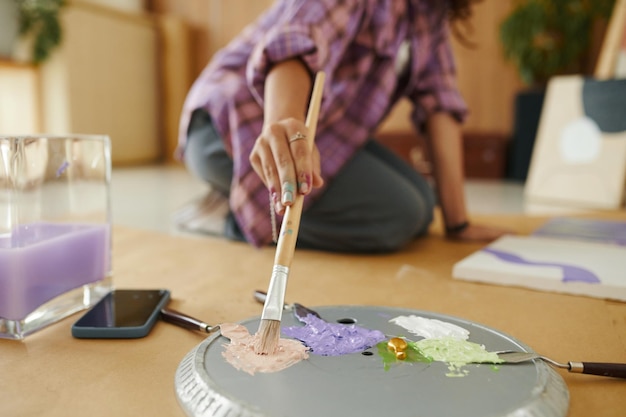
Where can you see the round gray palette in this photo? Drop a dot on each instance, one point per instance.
(359, 385)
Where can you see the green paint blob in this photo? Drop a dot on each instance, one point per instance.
(456, 353)
(389, 357)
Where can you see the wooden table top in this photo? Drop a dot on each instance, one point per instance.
(52, 374)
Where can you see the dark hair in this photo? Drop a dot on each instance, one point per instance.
(460, 10)
(459, 13)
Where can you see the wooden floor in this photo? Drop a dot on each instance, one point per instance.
(214, 279)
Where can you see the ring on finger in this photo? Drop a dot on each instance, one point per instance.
(297, 136)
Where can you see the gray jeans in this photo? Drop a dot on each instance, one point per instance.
(377, 202)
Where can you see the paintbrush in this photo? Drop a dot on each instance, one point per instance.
(185, 321)
(268, 335)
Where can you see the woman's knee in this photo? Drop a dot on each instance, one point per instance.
(388, 228)
(408, 221)
(205, 155)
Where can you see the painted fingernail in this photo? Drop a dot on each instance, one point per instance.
(288, 191)
(305, 184)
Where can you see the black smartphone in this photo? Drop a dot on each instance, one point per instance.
(122, 314)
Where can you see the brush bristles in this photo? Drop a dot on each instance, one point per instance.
(267, 337)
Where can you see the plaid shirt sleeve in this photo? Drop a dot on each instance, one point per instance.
(317, 32)
(436, 89)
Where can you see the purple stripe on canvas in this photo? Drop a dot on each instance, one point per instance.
(571, 273)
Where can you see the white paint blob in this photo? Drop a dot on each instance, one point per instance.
(580, 141)
(430, 328)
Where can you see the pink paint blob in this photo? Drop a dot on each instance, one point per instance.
(240, 351)
(333, 339)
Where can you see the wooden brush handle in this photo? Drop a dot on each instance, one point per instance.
(288, 235)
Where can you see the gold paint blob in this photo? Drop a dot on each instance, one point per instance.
(398, 346)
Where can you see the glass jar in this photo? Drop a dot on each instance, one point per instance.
(55, 228)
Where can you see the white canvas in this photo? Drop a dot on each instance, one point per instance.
(549, 264)
(574, 163)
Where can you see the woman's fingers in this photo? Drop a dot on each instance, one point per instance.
(282, 159)
(285, 182)
(264, 162)
(317, 179)
(303, 164)
(481, 233)
(259, 157)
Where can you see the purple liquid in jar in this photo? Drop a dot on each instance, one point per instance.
(41, 261)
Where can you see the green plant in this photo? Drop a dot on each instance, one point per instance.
(40, 19)
(550, 37)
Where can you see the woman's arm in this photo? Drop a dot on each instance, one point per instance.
(446, 146)
(286, 166)
(444, 139)
(287, 89)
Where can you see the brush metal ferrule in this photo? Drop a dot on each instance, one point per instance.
(273, 307)
(576, 367)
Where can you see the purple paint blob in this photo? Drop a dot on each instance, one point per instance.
(333, 339)
(571, 273)
(62, 168)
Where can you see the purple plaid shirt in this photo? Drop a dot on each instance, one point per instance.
(355, 42)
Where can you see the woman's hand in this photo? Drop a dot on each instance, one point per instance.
(282, 159)
(479, 233)
(282, 156)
